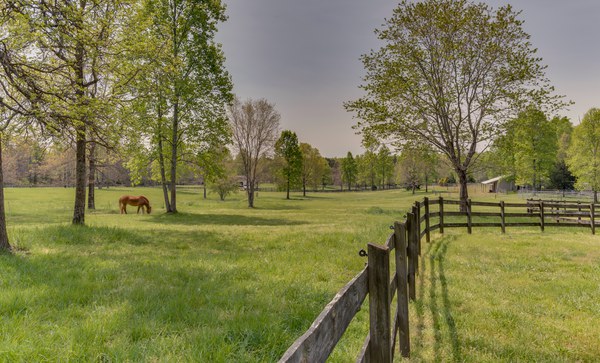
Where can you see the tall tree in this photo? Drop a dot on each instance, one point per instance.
(535, 146)
(450, 73)
(367, 168)
(182, 96)
(385, 165)
(560, 176)
(314, 167)
(56, 57)
(255, 125)
(6, 117)
(349, 169)
(584, 152)
(288, 149)
(416, 163)
(563, 129)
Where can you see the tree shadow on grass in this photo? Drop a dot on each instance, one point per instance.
(113, 300)
(220, 219)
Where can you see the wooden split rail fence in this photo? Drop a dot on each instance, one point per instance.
(387, 328)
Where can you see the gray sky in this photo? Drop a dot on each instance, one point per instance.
(304, 57)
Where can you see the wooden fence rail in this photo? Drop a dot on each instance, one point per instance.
(387, 328)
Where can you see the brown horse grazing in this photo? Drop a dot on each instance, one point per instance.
(140, 202)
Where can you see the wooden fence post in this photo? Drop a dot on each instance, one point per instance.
(503, 222)
(441, 215)
(592, 221)
(542, 215)
(402, 288)
(469, 228)
(411, 258)
(579, 210)
(380, 349)
(427, 222)
(417, 230)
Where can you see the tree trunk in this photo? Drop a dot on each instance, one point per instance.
(92, 176)
(288, 188)
(175, 141)
(304, 188)
(464, 193)
(595, 196)
(80, 139)
(250, 192)
(534, 177)
(80, 169)
(4, 245)
(163, 176)
(204, 187)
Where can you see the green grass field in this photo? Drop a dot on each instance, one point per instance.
(220, 282)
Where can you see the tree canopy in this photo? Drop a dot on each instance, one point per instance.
(288, 150)
(449, 74)
(584, 152)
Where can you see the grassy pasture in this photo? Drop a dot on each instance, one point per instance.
(220, 282)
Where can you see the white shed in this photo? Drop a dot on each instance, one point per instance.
(498, 185)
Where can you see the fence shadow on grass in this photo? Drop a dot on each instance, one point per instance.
(438, 290)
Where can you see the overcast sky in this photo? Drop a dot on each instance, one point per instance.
(303, 56)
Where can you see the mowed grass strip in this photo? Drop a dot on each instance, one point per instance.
(220, 282)
(524, 296)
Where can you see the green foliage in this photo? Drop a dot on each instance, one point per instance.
(314, 167)
(448, 74)
(563, 128)
(385, 166)
(416, 165)
(288, 151)
(561, 177)
(349, 170)
(367, 168)
(179, 109)
(528, 148)
(222, 180)
(584, 152)
(225, 186)
(535, 146)
(61, 69)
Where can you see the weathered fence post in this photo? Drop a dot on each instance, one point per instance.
(412, 257)
(469, 228)
(441, 215)
(579, 210)
(542, 215)
(503, 222)
(592, 221)
(427, 222)
(417, 229)
(402, 288)
(380, 349)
